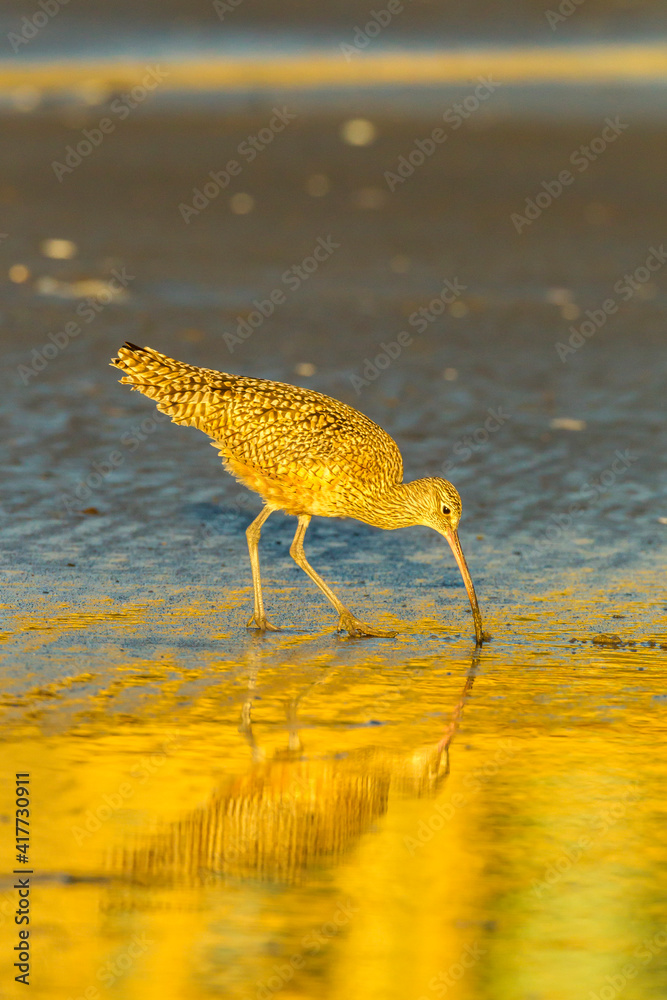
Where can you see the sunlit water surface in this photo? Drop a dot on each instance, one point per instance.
(334, 818)
(326, 818)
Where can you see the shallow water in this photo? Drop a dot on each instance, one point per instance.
(305, 815)
(325, 818)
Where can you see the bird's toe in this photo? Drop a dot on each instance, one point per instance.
(262, 623)
(353, 626)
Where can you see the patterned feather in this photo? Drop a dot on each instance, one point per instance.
(302, 451)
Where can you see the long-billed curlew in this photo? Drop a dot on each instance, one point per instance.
(305, 454)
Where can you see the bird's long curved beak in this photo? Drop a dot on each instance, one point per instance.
(452, 537)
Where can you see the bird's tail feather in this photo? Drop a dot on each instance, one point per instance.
(179, 390)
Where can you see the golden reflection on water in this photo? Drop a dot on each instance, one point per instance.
(279, 844)
(286, 814)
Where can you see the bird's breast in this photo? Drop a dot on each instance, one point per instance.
(307, 487)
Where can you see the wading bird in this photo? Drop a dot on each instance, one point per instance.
(305, 454)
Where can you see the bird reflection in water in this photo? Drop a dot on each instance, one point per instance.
(289, 813)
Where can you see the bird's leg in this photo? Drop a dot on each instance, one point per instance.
(253, 532)
(347, 619)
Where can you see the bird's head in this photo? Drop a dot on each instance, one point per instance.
(436, 504)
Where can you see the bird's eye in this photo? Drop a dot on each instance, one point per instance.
(446, 510)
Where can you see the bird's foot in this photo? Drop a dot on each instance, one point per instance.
(262, 623)
(353, 626)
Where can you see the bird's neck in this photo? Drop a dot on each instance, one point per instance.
(394, 507)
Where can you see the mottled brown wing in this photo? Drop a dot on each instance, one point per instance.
(279, 429)
(268, 430)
